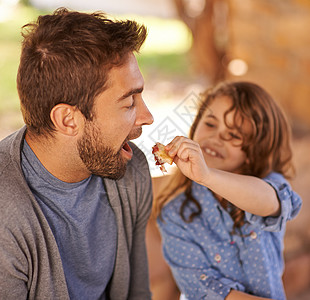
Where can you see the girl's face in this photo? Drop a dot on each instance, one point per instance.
(221, 144)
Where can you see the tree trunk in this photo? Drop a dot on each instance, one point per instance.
(209, 31)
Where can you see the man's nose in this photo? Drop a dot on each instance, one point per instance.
(144, 116)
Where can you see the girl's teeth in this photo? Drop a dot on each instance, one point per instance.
(213, 153)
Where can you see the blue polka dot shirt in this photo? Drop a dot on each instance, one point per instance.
(207, 260)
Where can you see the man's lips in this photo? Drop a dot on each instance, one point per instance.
(126, 151)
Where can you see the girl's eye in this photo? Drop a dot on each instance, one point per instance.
(235, 136)
(210, 125)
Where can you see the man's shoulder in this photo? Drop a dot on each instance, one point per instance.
(10, 171)
(10, 148)
(8, 143)
(5, 151)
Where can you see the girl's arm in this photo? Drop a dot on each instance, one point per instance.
(249, 193)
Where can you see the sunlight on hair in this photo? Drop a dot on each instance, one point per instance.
(238, 67)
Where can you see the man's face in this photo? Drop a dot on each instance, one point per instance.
(119, 114)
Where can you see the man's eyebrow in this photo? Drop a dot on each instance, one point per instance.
(131, 92)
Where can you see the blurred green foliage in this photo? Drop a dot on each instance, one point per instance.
(10, 43)
(154, 63)
(163, 65)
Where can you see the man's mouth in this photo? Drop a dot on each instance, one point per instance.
(126, 151)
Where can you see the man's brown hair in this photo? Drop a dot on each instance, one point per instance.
(66, 57)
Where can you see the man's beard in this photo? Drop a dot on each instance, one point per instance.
(99, 159)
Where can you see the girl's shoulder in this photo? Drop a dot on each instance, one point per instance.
(279, 183)
(290, 204)
(276, 177)
(285, 192)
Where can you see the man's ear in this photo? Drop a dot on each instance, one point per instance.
(65, 118)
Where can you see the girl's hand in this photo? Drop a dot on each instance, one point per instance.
(189, 158)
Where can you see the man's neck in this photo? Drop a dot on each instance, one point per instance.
(59, 155)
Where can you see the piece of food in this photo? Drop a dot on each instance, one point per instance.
(161, 156)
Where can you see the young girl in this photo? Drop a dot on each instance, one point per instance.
(223, 228)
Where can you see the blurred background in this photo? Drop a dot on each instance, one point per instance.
(192, 44)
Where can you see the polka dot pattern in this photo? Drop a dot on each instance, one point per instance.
(207, 261)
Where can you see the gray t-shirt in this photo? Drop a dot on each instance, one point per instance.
(83, 224)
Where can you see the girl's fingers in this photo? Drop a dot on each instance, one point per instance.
(188, 152)
(179, 142)
(176, 141)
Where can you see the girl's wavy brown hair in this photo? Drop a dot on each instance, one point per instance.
(267, 146)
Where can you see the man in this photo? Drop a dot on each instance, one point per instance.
(75, 194)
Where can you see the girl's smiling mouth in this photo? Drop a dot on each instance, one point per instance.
(212, 152)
